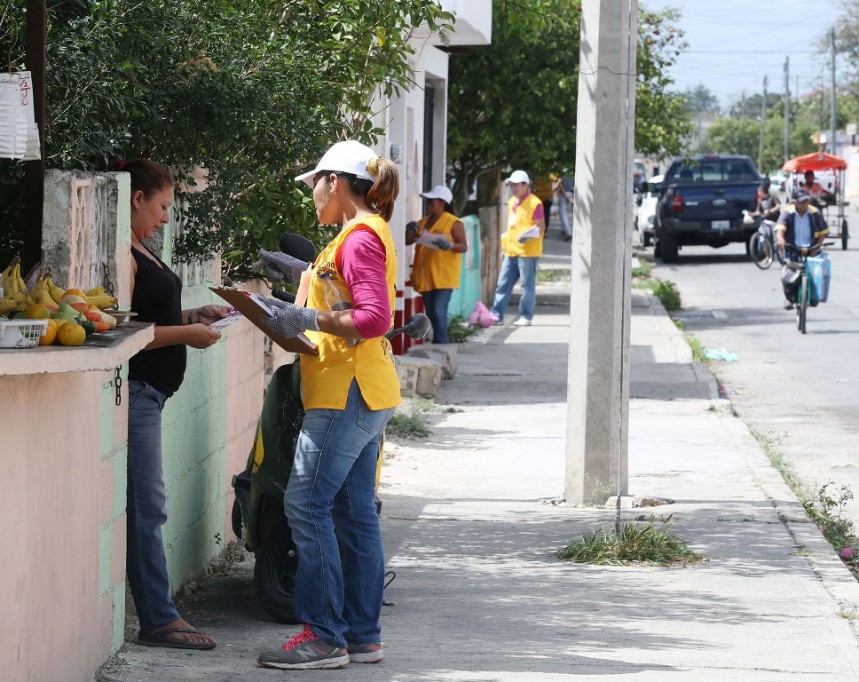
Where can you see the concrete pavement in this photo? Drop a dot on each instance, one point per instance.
(471, 524)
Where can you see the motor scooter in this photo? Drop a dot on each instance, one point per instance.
(258, 516)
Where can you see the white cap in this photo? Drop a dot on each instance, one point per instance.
(344, 157)
(439, 192)
(518, 176)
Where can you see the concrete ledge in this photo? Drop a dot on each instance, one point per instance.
(442, 353)
(418, 376)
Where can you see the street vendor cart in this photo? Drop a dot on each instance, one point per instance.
(832, 206)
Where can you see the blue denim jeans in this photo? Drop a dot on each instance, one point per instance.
(514, 268)
(330, 505)
(145, 562)
(436, 303)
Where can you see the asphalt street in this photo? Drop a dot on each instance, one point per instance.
(798, 390)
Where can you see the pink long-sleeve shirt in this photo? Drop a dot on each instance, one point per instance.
(361, 261)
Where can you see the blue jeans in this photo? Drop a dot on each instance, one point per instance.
(145, 562)
(436, 303)
(512, 269)
(330, 505)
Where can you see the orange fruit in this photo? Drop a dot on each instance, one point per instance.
(71, 334)
(75, 292)
(50, 334)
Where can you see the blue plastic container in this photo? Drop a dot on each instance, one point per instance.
(819, 274)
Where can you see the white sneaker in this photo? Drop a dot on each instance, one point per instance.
(522, 322)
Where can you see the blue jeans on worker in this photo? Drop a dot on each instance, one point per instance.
(331, 508)
(436, 303)
(145, 562)
(514, 268)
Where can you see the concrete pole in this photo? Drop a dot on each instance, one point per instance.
(763, 129)
(786, 107)
(598, 380)
(833, 147)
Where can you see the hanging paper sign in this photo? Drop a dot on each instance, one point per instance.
(19, 135)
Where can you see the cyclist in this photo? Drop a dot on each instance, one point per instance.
(769, 205)
(800, 225)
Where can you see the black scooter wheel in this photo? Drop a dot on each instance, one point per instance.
(274, 574)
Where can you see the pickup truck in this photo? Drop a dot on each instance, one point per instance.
(701, 202)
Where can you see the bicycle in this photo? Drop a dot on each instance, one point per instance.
(761, 246)
(809, 292)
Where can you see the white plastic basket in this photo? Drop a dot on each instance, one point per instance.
(21, 333)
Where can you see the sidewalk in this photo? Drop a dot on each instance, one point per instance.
(470, 532)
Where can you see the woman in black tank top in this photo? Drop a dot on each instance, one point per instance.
(155, 374)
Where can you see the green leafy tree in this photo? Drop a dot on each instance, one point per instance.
(514, 102)
(253, 91)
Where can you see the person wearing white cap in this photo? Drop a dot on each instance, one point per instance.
(437, 263)
(349, 392)
(522, 245)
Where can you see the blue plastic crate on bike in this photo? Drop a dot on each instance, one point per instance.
(819, 270)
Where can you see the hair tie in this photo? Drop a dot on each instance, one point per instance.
(373, 166)
(121, 165)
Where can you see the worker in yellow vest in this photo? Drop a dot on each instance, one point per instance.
(522, 245)
(437, 265)
(349, 392)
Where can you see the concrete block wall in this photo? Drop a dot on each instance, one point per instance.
(63, 535)
(113, 422)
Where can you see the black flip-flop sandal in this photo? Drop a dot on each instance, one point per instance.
(159, 638)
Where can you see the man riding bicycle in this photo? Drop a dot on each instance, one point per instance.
(800, 226)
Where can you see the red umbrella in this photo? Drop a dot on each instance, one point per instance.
(814, 162)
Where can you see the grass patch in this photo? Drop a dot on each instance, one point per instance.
(458, 331)
(645, 284)
(547, 275)
(698, 354)
(408, 421)
(643, 269)
(666, 291)
(648, 543)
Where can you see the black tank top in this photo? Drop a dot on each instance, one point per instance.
(158, 298)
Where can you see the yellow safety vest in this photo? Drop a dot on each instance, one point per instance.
(519, 220)
(325, 379)
(435, 269)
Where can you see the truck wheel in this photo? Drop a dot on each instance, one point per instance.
(668, 252)
(646, 239)
(844, 235)
(274, 574)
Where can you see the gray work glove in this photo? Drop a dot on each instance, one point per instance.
(441, 243)
(289, 320)
(280, 267)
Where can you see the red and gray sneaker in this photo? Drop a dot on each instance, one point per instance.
(366, 653)
(305, 651)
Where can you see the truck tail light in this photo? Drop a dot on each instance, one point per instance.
(677, 203)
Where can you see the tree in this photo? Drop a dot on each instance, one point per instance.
(251, 90)
(700, 99)
(513, 103)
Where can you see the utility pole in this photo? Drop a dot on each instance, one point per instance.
(786, 106)
(833, 149)
(598, 375)
(763, 128)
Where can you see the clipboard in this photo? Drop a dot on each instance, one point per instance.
(242, 301)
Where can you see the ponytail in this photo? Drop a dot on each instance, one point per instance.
(147, 176)
(385, 189)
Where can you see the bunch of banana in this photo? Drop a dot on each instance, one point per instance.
(15, 296)
(100, 298)
(41, 293)
(56, 292)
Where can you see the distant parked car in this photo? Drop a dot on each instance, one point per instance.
(778, 179)
(645, 216)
